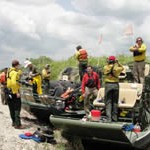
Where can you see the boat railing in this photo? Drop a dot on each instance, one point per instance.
(28, 96)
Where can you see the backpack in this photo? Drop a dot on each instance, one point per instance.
(2, 78)
(8, 78)
(45, 135)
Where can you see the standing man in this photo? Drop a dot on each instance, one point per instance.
(112, 71)
(35, 79)
(14, 100)
(46, 72)
(90, 86)
(82, 57)
(139, 55)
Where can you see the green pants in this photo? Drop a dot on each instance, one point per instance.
(46, 84)
(14, 105)
(82, 69)
(111, 100)
(138, 71)
(3, 95)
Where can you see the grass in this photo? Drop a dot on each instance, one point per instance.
(58, 66)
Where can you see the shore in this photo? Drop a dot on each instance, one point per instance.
(9, 136)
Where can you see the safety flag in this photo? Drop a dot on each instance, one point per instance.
(100, 39)
(128, 30)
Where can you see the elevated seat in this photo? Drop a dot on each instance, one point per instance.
(123, 73)
(137, 86)
(127, 98)
(147, 69)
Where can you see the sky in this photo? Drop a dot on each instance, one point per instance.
(53, 28)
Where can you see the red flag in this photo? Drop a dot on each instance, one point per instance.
(100, 39)
(128, 30)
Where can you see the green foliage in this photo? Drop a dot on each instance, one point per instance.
(58, 66)
(41, 61)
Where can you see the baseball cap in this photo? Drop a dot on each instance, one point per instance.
(111, 58)
(27, 62)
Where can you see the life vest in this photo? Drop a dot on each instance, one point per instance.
(83, 54)
(66, 93)
(12, 80)
(2, 77)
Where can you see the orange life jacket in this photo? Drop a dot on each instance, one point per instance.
(66, 94)
(2, 77)
(83, 54)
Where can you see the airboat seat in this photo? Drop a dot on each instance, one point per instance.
(123, 73)
(127, 98)
(147, 69)
(137, 86)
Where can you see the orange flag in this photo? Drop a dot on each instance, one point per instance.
(128, 30)
(100, 39)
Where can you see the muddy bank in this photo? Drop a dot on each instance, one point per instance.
(9, 136)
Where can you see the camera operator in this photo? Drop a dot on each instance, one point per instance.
(112, 71)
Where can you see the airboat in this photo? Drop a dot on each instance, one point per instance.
(42, 106)
(132, 128)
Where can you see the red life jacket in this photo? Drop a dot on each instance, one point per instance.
(2, 77)
(83, 54)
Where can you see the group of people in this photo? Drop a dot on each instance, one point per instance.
(90, 81)
(90, 84)
(10, 87)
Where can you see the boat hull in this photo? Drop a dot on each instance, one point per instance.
(43, 111)
(108, 132)
(42, 106)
